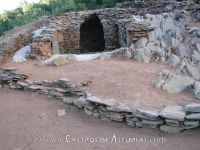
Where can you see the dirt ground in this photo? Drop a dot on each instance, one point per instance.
(124, 80)
(25, 116)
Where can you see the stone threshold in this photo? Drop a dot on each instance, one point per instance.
(171, 119)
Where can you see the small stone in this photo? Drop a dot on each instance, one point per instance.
(123, 108)
(96, 114)
(68, 100)
(113, 116)
(173, 123)
(37, 87)
(173, 112)
(55, 94)
(23, 84)
(150, 122)
(60, 90)
(14, 86)
(170, 129)
(81, 102)
(104, 118)
(138, 124)
(195, 116)
(193, 107)
(61, 113)
(174, 60)
(88, 112)
(192, 123)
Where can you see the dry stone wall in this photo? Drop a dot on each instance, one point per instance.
(65, 29)
(172, 119)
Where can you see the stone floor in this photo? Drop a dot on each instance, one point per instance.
(124, 80)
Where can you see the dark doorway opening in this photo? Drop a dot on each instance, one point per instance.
(92, 35)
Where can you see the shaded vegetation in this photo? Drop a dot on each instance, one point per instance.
(28, 12)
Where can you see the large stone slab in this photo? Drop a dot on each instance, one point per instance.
(193, 107)
(148, 113)
(195, 116)
(173, 112)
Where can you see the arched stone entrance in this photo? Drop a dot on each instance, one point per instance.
(91, 35)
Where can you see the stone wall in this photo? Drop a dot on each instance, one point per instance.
(172, 119)
(65, 29)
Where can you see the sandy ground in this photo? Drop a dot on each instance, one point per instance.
(124, 80)
(25, 116)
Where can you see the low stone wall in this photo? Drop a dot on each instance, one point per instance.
(172, 119)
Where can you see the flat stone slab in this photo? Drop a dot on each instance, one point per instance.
(192, 123)
(37, 87)
(150, 122)
(195, 116)
(193, 107)
(151, 113)
(123, 108)
(173, 112)
(95, 99)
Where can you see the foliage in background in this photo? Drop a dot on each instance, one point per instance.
(28, 12)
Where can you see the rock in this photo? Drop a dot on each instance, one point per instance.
(113, 116)
(143, 55)
(198, 46)
(149, 113)
(193, 107)
(121, 107)
(173, 123)
(61, 113)
(150, 122)
(193, 71)
(173, 112)
(196, 56)
(170, 129)
(138, 124)
(195, 116)
(88, 112)
(13, 86)
(97, 100)
(104, 118)
(22, 84)
(37, 87)
(81, 102)
(177, 83)
(68, 100)
(197, 90)
(95, 114)
(60, 90)
(141, 43)
(174, 60)
(56, 60)
(22, 54)
(191, 123)
(56, 94)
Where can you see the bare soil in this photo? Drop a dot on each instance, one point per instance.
(26, 115)
(123, 80)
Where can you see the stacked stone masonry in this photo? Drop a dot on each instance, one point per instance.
(172, 119)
